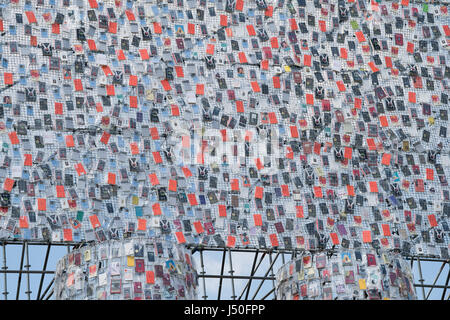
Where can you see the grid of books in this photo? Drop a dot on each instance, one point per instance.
(347, 275)
(133, 269)
(306, 125)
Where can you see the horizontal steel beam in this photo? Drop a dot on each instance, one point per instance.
(238, 249)
(431, 286)
(425, 258)
(209, 248)
(47, 294)
(40, 243)
(28, 271)
(218, 276)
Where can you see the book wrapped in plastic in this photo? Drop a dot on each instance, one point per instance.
(129, 269)
(347, 275)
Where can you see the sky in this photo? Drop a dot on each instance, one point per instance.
(242, 263)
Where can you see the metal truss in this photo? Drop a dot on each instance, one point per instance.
(254, 284)
(269, 273)
(25, 269)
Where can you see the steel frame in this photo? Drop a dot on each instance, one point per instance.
(47, 293)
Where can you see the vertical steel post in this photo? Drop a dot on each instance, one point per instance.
(231, 273)
(19, 280)
(421, 280)
(271, 272)
(5, 291)
(28, 269)
(203, 273)
(221, 274)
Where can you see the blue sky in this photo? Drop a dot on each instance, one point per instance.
(242, 263)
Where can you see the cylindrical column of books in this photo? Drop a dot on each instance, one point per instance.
(347, 275)
(129, 269)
